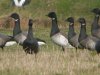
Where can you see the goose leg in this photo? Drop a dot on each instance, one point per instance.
(2, 48)
(76, 49)
(63, 49)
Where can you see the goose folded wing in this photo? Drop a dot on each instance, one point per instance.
(5, 37)
(96, 33)
(74, 41)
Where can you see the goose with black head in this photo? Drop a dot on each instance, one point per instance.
(30, 44)
(55, 34)
(88, 42)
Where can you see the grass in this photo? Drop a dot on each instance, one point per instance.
(50, 59)
(55, 62)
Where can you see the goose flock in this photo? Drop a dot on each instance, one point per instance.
(31, 44)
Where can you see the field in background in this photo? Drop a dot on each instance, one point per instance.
(50, 59)
(37, 10)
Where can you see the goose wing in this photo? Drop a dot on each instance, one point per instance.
(88, 43)
(4, 39)
(96, 33)
(74, 41)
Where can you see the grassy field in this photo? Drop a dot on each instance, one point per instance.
(50, 59)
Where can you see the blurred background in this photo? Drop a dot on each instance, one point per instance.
(37, 9)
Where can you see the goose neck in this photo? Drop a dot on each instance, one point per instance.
(71, 31)
(17, 28)
(95, 22)
(30, 33)
(83, 33)
(54, 28)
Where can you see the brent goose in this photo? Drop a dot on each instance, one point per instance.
(55, 34)
(30, 44)
(20, 36)
(95, 28)
(20, 3)
(72, 36)
(88, 42)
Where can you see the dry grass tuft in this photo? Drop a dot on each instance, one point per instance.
(49, 63)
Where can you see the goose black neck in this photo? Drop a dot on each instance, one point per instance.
(30, 33)
(17, 28)
(83, 33)
(54, 28)
(71, 31)
(95, 23)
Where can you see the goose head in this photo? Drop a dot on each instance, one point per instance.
(96, 11)
(30, 22)
(70, 19)
(82, 21)
(15, 16)
(51, 15)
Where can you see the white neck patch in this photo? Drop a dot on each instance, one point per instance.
(83, 24)
(16, 20)
(53, 18)
(71, 23)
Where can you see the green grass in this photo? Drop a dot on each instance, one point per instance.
(50, 59)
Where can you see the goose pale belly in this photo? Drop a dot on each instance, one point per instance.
(60, 40)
